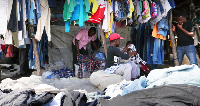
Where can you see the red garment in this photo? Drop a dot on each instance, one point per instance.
(10, 51)
(98, 16)
(144, 67)
(89, 62)
(3, 47)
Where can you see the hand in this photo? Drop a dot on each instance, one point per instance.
(128, 46)
(78, 53)
(180, 25)
(174, 28)
(134, 52)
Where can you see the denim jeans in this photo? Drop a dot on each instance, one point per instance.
(150, 44)
(190, 52)
(157, 58)
(172, 4)
(184, 74)
(163, 26)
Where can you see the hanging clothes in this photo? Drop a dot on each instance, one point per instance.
(77, 14)
(105, 19)
(111, 15)
(68, 9)
(93, 6)
(98, 16)
(158, 52)
(163, 27)
(12, 24)
(8, 35)
(154, 11)
(167, 7)
(44, 21)
(20, 24)
(10, 51)
(2, 45)
(3, 17)
(155, 33)
(86, 10)
(147, 16)
(131, 8)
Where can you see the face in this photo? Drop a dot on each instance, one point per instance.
(91, 33)
(181, 20)
(117, 42)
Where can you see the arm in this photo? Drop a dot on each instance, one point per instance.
(125, 49)
(78, 37)
(94, 44)
(120, 54)
(132, 53)
(191, 34)
(174, 29)
(77, 46)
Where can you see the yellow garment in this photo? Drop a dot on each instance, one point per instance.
(106, 34)
(111, 21)
(94, 8)
(131, 8)
(155, 35)
(110, 2)
(148, 12)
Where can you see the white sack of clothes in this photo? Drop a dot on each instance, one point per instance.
(102, 80)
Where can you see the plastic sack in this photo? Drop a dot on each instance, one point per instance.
(50, 75)
(100, 56)
(46, 74)
(85, 72)
(76, 70)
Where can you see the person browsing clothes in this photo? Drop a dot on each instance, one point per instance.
(80, 42)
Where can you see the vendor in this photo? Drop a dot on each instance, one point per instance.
(124, 69)
(80, 42)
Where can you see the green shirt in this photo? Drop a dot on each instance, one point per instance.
(68, 9)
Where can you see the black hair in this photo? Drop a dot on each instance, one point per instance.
(93, 29)
(112, 40)
(2, 37)
(128, 42)
(182, 14)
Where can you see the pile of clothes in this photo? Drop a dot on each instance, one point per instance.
(61, 73)
(27, 97)
(175, 83)
(87, 63)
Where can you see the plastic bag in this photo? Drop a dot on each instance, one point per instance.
(50, 75)
(47, 74)
(100, 56)
(76, 70)
(85, 72)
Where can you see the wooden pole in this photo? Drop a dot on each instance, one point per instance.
(36, 54)
(173, 41)
(104, 40)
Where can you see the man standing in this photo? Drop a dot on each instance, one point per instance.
(185, 32)
(80, 42)
(126, 70)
